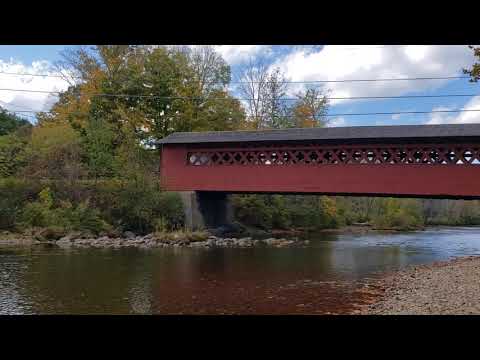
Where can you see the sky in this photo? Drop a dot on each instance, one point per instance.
(303, 63)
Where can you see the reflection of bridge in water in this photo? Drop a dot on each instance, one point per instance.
(434, 161)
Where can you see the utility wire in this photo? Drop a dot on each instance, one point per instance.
(249, 99)
(40, 75)
(337, 114)
(256, 82)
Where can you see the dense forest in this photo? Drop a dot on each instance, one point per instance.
(91, 162)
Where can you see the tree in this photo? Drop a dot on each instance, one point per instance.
(474, 71)
(253, 87)
(11, 148)
(276, 108)
(310, 109)
(210, 70)
(209, 106)
(162, 90)
(98, 144)
(53, 152)
(14, 135)
(265, 89)
(10, 122)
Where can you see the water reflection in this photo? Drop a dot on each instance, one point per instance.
(310, 279)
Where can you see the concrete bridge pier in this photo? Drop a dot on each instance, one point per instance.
(206, 209)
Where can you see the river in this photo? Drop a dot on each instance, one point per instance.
(323, 277)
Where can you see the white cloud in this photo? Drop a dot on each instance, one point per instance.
(416, 53)
(457, 118)
(16, 100)
(337, 62)
(337, 122)
(234, 54)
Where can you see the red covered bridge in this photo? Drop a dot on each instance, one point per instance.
(437, 161)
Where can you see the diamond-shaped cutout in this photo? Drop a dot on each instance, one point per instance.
(468, 155)
(433, 156)
(300, 156)
(203, 159)
(402, 156)
(274, 156)
(192, 159)
(342, 156)
(251, 158)
(262, 157)
(451, 156)
(386, 156)
(370, 155)
(357, 155)
(328, 156)
(313, 156)
(417, 156)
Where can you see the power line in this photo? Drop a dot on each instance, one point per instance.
(249, 99)
(406, 112)
(40, 75)
(256, 82)
(343, 114)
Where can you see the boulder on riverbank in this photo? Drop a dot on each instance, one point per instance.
(193, 239)
(175, 239)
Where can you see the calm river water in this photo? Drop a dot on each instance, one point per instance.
(321, 278)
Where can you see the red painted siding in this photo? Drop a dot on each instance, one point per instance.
(449, 180)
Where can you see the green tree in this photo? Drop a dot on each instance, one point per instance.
(10, 122)
(11, 149)
(170, 89)
(402, 214)
(98, 144)
(14, 136)
(53, 152)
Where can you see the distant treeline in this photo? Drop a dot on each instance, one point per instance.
(319, 212)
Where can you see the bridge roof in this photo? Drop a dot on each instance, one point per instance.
(337, 134)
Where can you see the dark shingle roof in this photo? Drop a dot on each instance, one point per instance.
(356, 133)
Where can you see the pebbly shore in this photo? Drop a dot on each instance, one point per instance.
(442, 288)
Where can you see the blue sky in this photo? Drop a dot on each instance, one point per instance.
(303, 63)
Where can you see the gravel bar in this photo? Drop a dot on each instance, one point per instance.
(442, 288)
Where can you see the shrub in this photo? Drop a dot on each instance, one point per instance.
(14, 195)
(252, 210)
(48, 213)
(140, 209)
(88, 205)
(285, 211)
(399, 214)
(81, 217)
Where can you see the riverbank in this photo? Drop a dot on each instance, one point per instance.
(450, 287)
(174, 239)
(215, 237)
